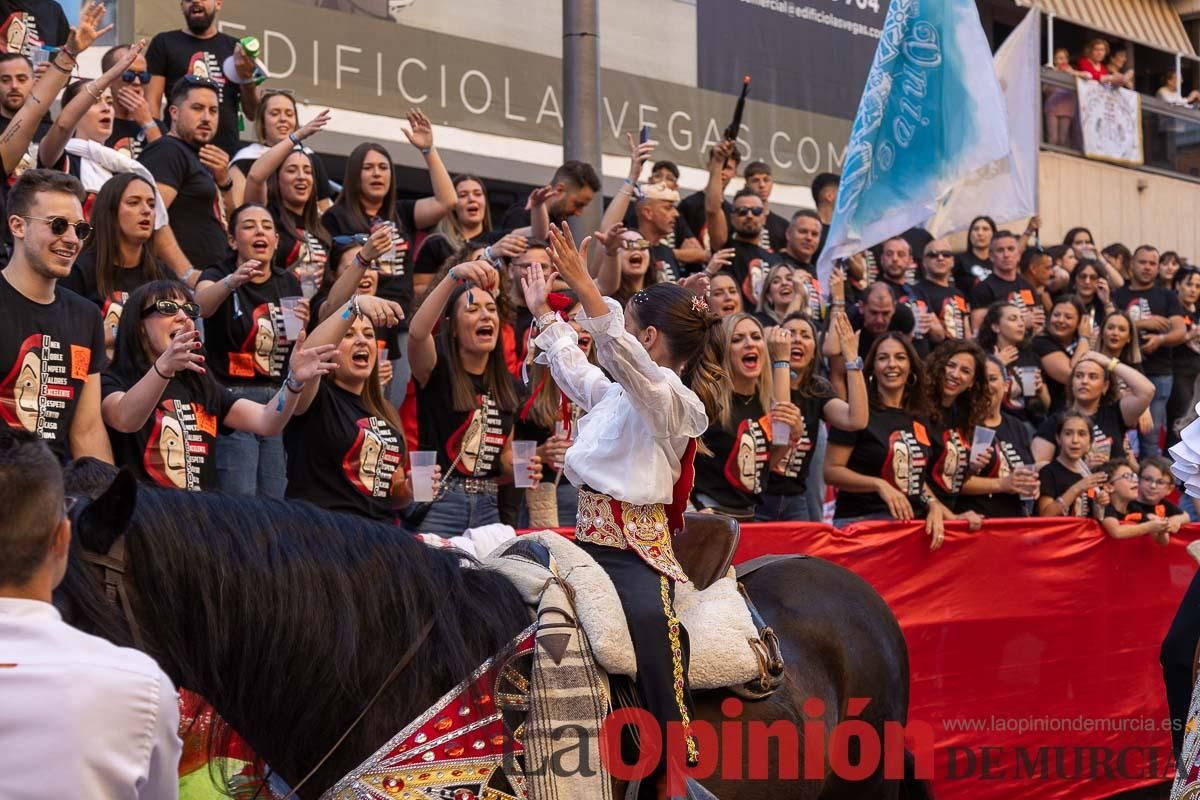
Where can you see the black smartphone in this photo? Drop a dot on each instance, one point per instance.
(645, 134)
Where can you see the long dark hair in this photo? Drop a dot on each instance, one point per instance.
(308, 583)
(988, 338)
(693, 335)
(915, 400)
(131, 357)
(496, 376)
(310, 217)
(981, 218)
(810, 384)
(449, 226)
(105, 243)
(350, 198)
(970, 408)
(1071, 234)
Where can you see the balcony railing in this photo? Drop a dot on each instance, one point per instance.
(1170, 134)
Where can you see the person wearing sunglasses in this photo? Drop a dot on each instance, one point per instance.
(278, 121)
(116, 258)
(200, 49)
(163, 407)
(748, 264)
(948, 306)
(51, 339)
(134, 124)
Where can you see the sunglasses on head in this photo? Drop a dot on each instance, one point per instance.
(635, 244)
(746, 211)
(59, 225)
(939, 254)
(169, 308)
(129, 76)
(199, 80)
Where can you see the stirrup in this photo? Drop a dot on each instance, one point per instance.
(767, 651)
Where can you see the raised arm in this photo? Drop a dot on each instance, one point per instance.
(19, 133)
(852, 415)
(265, 165)
(128, 411)
(422, 351)
(308, 364)
(355, 261)
(430, 210)
(55, 141)
(627, 194)
(714, 197)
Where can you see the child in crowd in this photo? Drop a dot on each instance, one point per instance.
(1138, 504)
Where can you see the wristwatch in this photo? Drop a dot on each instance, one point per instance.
(854, 364)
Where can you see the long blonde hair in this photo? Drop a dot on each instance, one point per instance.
(765, 387)
(799, 298)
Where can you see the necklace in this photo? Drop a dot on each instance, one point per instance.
(744, 399)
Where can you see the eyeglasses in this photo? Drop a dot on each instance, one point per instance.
(59, 225)
(746, 211)
(129, 76)
(169, 308)
(1124, 476)
(273, 92)
(69, 502)
(1158, 482)
(1086, 277)
(635, 244)
(940, 254)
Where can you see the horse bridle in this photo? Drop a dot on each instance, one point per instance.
(112, 572)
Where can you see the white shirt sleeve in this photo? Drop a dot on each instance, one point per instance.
(162, 773)
(580, 380)
(660, 398)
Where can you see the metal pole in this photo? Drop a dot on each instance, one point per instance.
(581, 96)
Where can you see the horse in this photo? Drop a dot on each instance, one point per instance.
(287, 618)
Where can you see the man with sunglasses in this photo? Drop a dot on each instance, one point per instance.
(51, 339)
(105, 716)
(200, 49)
(134, 125)
(947, 312)
(749, 263)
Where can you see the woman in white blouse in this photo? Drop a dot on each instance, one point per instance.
(632, 456)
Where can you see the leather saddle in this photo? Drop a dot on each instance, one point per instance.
(705, 547)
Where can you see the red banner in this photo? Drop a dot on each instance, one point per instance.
(1033, 646)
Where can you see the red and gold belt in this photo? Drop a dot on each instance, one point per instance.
(607, 522)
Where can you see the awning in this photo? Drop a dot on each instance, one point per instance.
(1153, 23)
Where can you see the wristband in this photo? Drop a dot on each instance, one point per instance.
(360, 261)
(292, 385)
(149, 125)
(855, 364)
(226, 186)
(71, 55)
(295, 139)
(95, 95)
(425, 151)
(781, 365)
(187, 275)
(228, 284)
(1113, 363)
(61, 68)
(546, 320)
(160, 373)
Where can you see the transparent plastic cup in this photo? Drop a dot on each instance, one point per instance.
(983, 440)
(291, 323)
(1028, 381)
(523, 452)
(423, 463)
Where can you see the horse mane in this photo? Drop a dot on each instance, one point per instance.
(287, 618)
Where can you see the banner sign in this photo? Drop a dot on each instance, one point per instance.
(1111, 120)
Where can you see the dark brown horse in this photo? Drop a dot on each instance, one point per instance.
(287, 618)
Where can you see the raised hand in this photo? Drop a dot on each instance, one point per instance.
(246, 272)
(314, 125)
(534, 286)
(182, 353)
(85, 34)
(512, 245)
(480, 273)
(420, 130)
(611, 239)
(639, 154)
(779, 343)
(215, 161)
(382, 313)
(540, 196)
(312, 362)
(571, 262)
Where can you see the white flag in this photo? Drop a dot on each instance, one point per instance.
(1006, 189)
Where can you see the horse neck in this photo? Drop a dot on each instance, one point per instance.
(289, 647)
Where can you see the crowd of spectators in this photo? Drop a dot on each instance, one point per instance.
(218, 314)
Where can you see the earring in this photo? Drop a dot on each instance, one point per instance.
(912, 379)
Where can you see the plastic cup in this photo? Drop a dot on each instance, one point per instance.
(308, 284)
(39, 55)
(523, 452)
(291, 323)
(383, 353)
(1028, 380)
(1029, 470)
(560, 430)
(983, 440)
(423, 463)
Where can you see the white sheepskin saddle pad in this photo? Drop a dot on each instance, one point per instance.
(717, 621)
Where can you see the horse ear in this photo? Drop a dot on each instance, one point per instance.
(105, 518)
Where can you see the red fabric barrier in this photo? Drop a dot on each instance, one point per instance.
(1045, 624)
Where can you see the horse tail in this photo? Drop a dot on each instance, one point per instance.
(912, 787)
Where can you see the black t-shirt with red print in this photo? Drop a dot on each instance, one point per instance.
(790, 475)
(747, 257)
(1142, 304)
(1138, 512)
(471, 441)
(895, 446)
(993, 289)
(341, 457)
(1057, 479)
(176, 448)
(196, 218)
(950, 459)
(173, 54)
(26, 25)
(1010, 449)
(946, 303)
(302, 252)
(244, 339)
(82, 281)
(47, 352)
(1108, 430)
(129, 138)
(735, 473)
(395, 268)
